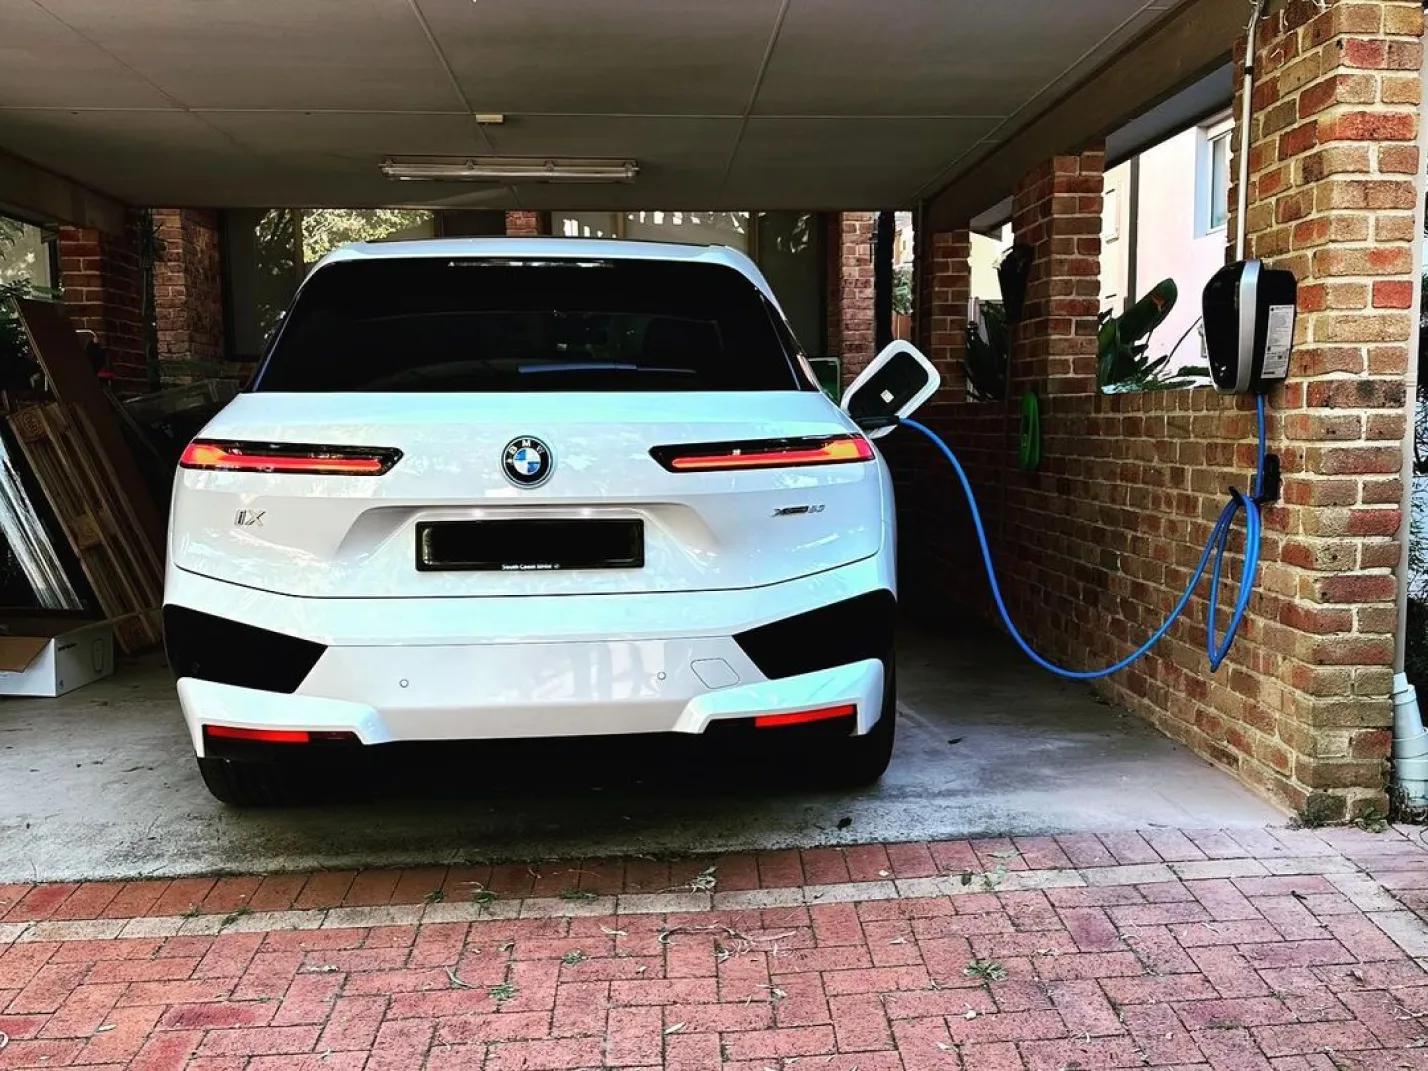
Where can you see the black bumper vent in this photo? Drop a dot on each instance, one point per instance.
(834, 635)
(215, 649)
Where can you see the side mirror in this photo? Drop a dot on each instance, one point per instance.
(893, 386)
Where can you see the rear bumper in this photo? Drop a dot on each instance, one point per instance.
(391, 670)
(581, 690)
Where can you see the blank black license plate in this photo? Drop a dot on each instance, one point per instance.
(530, 546)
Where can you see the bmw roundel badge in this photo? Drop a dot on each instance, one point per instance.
(527, 462)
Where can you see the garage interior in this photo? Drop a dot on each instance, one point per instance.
(160, 150)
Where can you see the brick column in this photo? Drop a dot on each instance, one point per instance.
(1331, 197)
(850, 289)
(103, 293)
(944, 287)
(188, 293)
(1057, 211)
(526, 224)
(1053, 562)
(1095, 547)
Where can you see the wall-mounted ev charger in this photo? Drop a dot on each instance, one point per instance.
(1249, 335)
(1249, 326)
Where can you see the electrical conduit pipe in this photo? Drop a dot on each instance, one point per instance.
(1410, 738)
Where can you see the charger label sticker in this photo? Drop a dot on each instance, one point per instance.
(1278, 341)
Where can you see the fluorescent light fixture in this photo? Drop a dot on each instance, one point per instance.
(507, 169)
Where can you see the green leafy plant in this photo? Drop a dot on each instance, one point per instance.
(1372, 820)
(986, 969)
(1123, 360)
(13, 344)
(902, 291)
(16, 361)
(988, 351)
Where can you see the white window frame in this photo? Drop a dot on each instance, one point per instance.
(1210, 133)
(1111, 215)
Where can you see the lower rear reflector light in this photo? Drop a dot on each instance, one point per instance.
(276, 736)
(764, 453)
(803, 717)
(300, 458)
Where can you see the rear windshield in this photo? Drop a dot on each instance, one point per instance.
(434, 324)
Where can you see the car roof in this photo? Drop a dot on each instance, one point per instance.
(553, 248)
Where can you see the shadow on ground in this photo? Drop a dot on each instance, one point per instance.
(101, 784)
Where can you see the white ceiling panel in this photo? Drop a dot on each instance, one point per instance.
(929, 57)
(43, 63)
(176, 158)
(640, 57)
(146, 157)
(728, 104)
(849, 163)
(681, 160)
(315, 138)
(360, 54)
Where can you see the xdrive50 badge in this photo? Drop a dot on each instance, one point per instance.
(527, 462)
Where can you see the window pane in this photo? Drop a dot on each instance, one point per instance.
(24, 255)
(1219, 180)
(432, 324)
(790, 254)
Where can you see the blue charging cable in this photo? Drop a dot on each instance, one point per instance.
(1216, 647)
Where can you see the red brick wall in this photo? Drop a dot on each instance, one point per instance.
(188, 292)
(944, 286)
(1332, 197)
(1056, 210)
(1094, 547)
(849, 249)
(525, 224)
(102, 283)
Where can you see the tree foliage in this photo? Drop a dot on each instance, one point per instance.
(902, 291)
(988, 350)
(14, 283)
(324, 229)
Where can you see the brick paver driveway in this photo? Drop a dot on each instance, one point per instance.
(1275, 949)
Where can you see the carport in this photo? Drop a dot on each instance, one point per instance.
(185, 122)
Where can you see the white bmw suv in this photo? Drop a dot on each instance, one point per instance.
(529, 488)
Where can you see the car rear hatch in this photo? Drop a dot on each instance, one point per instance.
(603, 452)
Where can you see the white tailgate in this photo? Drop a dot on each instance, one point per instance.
(355, 536)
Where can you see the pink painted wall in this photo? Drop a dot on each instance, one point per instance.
(1174, 238)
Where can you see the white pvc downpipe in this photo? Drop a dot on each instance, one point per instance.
(1410, 737)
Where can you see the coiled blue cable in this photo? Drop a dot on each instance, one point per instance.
(1216, 647)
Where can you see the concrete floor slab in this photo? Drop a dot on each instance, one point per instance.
(101, 784)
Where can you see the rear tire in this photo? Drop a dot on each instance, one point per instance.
(855, 761)
(250, 784)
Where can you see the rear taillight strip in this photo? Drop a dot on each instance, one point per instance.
(257, 736)
(299, 458)
(804, 717)
(763, 453)
(279, 736)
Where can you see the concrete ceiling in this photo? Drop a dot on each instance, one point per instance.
(726, 104)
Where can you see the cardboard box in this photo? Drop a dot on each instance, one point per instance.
(51, 652)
